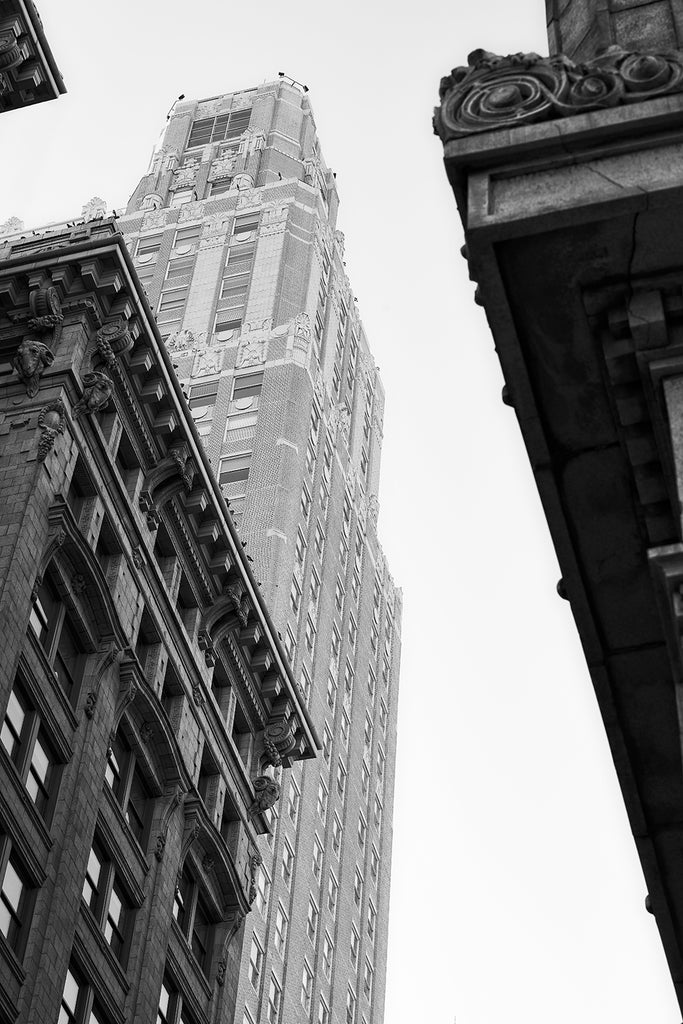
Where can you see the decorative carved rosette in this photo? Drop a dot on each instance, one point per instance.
(113, 338)
(495, 92)
(279, 740)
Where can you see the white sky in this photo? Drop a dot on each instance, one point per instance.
(517, 894)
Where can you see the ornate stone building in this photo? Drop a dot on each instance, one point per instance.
(148, 716)
(566, 170)
(233, 233)
(28, 73)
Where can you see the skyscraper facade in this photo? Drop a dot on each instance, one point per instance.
(233, 234)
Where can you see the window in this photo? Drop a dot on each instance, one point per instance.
(15, 901)
(367, 732)
(305, 683)
(318, 854)
(25, 741)
(191, 912)
(383, 716)
(362, 831)
(281, 924)
(234, 468)
(328, 955)
(322, 800)
(293, 801)
(305, 503)
(358, 887)
(274, 1000)
(225, 326)
(336, 835)
(323, 1012)
(219, 128)
(348, 679)
(355, 585)
(290, 643)
(368, 973)
(332, 893)
(365, 779)
(335, 648)
(355, 943)
(378, 812)
(50, 622)
(364, 462)
(126, 782)
(247, 386)
(310, 458)
(217, 188)
(148, 247)
(105, 897)
(372, 683)
(262, 890)
(78, 1005)
(295, 596)
(309, 635)
(314, 591)
(255, 962)
(372, 919)
(306, 987)
(171, 1005)
(300, 548)
(319, 540)
(341, 778)
(345, 730)
(351, 1004)
(353, 632)
(339, 595)
(287, 862)
(201, 400)
(380, 762)
(312, 920)
(374, 863)
(331, 691)
(327, 744)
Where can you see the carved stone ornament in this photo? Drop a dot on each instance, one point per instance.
(281, 736)
(252, 350)
(113, 338)
(267, 794)
(185, 176)
(45, 302)
(11, 226)
(222, 166)
(97, 390)
(94, 209)
(29, 361)
(152, 201)
(208, 361)
(181, 341)
(373, 509)
(255, 862)
(51, 421)
(78, 584)
(10, 51)
(503, 92)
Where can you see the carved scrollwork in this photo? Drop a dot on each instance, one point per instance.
(113, 338)
(495, 92)
(279, 740)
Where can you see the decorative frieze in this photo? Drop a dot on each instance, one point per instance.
(494, 92)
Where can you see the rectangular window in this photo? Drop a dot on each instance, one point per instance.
(318, 855)
(300, 548)
(15, 901)
(306, 987)
(367, 732)
(295, 596)
(383, 712)
(262, 890)
(345, 730)
(339, 595)
(293, 801)
(218, 188)
(362, 831)
(287, 862)
(372, 683)
(248, 385)
(305, 683)
(274, 1000)
(305, 503)
(348, 679)
(331, 692)
(312, 920)
(372, 919)
(148, 247)
(255, 962)
(50, 623)
(290, 643)
(310, 635)
(341, 779)
(322, 800)
(353, 948)
(314, 591)
(281, 925)
(365, 779)
(353, 633)
(368, 973)
(27, 744)
(105, 897)
(128, 785)
(328, 955)
(319, 540)
(336, 835)
(219, 128)
(378, 812)
(323, 1012)
(327, 744)
(332, 893)
(357, 888)
(351, 1004)
(374, 863)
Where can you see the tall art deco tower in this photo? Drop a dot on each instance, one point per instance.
(233, 235)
